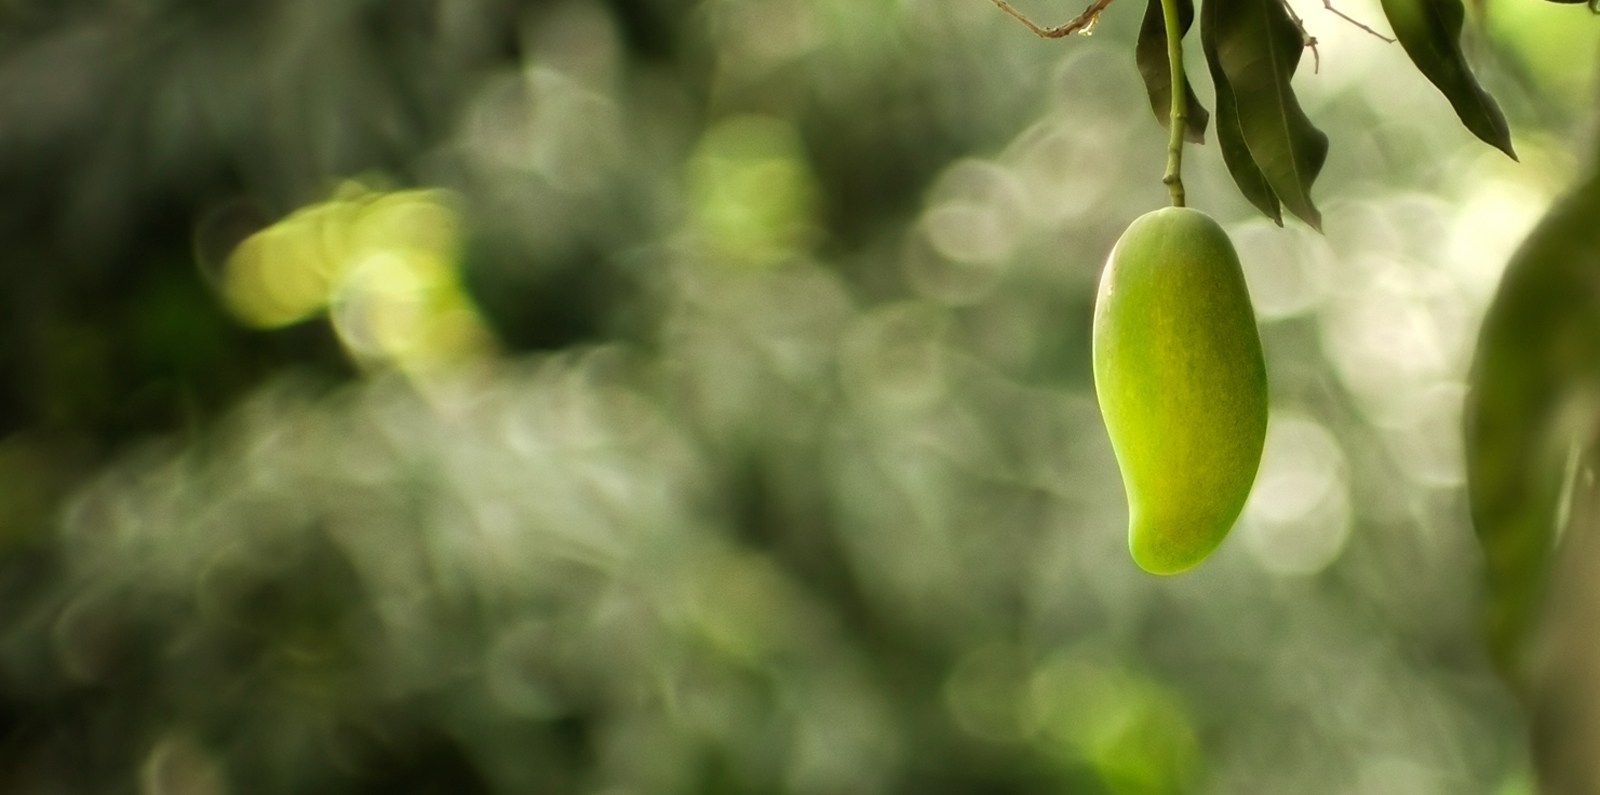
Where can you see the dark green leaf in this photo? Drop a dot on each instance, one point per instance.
(1531, 412)
(1430, 32)
(1151, 55)
(1257, 47)
(1230, 138)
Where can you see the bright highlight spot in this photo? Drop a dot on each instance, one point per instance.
(755, 199)
(383, 265)
(1133, 732)
(1297, 519)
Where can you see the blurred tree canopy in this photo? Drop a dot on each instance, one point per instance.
(693, 396)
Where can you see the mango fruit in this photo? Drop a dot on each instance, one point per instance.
(1181, 382)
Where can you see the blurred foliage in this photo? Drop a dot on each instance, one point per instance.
(1531, 413)
(692, 396)
(1531, 459)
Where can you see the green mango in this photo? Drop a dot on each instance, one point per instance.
(1181, 383)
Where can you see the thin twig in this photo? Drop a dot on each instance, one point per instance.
(1328, 4)
(1311, 41)
(1306, 39)
(1083, 22)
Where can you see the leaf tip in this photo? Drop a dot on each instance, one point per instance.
(1271, 208)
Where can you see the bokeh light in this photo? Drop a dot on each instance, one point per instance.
(753, 193)
(384, 266)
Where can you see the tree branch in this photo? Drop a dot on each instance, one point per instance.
(1082, 23)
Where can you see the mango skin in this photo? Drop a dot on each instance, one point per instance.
(1181, 382)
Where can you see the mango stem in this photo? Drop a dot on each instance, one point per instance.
(1178, 116)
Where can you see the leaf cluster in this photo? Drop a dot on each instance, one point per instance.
(1253, 47)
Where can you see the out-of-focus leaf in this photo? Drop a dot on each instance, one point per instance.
(1533, 403)
(1430, 32)
(1230, 138)
(1556, 49)
(1257, 47)
(1151, 54)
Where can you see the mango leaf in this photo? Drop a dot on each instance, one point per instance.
(1430, 32)
(1151, 54)
(1532, 412)
(1230, 138)
(1257, 46)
